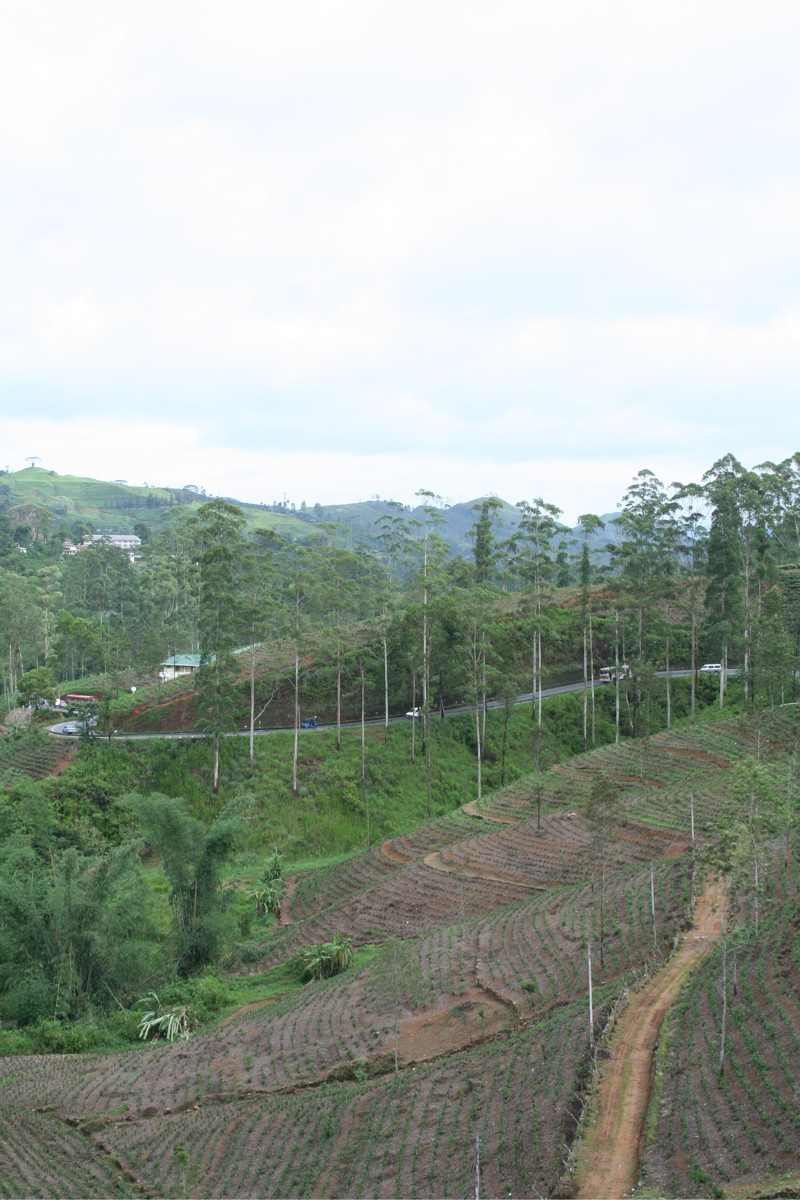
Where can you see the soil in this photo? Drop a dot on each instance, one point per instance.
(472, 871)
(472, 810)
(697, 754)
(465, 1021)
(612, 1148)
(394, 855)
(286, 917)
(64, 762)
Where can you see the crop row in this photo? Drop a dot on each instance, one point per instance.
(21, 759)
(734, 1116)
(531, 954)
(560, 851)
(41, 1156)
(412, 1134)
(317, 890)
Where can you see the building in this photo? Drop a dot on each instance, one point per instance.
(186, 664)
(177, 665)
(128, 542)
(123, 541)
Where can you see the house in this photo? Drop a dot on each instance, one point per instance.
(177, 665)
(186, 664)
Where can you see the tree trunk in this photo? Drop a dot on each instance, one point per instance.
(338, 697)
(585, 695)
(296, 718)
(386, 690)
(478, 738)
(669, 696)
(616, 680)
(252, 704)
(413, 717)
(216, 763)
(363, 737)
(591, 674)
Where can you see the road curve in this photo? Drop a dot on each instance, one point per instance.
(525, 698)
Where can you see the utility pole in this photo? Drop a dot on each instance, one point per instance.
(591, 1003)
(478, 1167)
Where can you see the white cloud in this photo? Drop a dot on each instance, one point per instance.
(402, 236)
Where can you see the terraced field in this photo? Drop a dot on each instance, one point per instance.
(709, 1126)
(28, 758)
(378, 1083)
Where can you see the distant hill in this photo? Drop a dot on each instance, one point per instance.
(116, 507)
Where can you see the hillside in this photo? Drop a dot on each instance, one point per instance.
(465, 1015)
(116, 507)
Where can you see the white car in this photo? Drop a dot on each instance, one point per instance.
(711, 667)
(413, 713)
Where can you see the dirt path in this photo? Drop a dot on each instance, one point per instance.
(472, 810)
(611, 1152)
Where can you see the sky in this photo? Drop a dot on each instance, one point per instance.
(332, 250)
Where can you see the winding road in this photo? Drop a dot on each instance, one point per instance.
(60, 730)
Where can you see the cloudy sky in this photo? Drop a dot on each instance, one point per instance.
(334, 248)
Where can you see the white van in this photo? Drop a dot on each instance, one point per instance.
(711, 667)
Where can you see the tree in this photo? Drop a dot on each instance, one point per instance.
(602, 817)
(300, 604)
(589, 524)
(37, 685)
(219, 536)
(723, 599)
(261, 608)
(531, 547)
(192, 858)
(77, 926)
(432, 551)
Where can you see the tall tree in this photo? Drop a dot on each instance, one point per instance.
(589, 524)
(432, 551)
(220, 545)
(531, 547)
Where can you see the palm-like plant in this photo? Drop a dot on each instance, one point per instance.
(175, 1025)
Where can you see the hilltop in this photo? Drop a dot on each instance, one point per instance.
(117, 506)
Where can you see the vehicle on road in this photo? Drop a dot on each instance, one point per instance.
(709, 667)
(612, 674)
(414, 712)
(308, 723)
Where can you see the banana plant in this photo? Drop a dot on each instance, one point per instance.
(175, 1025)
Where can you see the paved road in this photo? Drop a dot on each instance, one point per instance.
(526, 698)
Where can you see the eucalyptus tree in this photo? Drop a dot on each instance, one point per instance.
(642, 530)
(302, 598)
(220, 546)
(261, 607)
(531, 549)
(431, 551)
(486, 553)
(394, 534)
(691, 548)
(589, 524)
(344, 583)
(475, 605)
(723, 598)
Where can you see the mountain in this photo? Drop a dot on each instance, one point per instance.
(116, 507)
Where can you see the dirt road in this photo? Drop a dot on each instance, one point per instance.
(611, 1151)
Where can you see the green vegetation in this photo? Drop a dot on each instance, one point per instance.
(246, 913)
